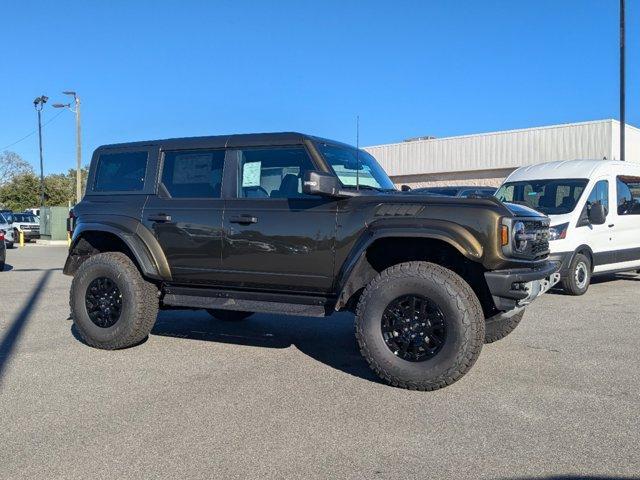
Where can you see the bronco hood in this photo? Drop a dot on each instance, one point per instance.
(522, 210)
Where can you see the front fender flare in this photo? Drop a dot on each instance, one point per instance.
(357, 272)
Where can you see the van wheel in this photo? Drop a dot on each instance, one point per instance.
(228, 315)
(579, 276)
(419, 326)
(497, 328)
(111, 304)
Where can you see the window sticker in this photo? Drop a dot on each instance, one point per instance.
(192, 168)
(251, 174)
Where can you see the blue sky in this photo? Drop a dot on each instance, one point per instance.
(157, 69)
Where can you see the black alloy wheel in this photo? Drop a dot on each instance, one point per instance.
(103, 300)
(414, 328)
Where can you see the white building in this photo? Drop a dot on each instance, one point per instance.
(487, 158)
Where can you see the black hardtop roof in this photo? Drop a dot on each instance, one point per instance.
(236, 140)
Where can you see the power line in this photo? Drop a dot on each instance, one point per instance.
(34, 131)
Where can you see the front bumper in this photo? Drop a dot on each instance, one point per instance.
(518, 287)
(564, 259)
(31, 234)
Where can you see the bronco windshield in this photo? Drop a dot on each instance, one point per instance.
(355, 167)
(551, 197)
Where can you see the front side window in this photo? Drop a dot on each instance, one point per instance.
(193, 174)
(551, 197)
(273, 172)
(355, 167)
(628, 195)
(599, 195)
(121, 172)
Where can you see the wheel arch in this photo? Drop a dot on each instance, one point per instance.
(91, 238)
(364, 263)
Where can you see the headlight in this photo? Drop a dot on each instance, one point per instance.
(519, 237)
(558, 232)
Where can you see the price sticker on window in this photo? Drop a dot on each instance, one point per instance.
(251, 174)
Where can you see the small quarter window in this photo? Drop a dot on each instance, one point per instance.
(193, 174)
(599, 195)
(121, 172)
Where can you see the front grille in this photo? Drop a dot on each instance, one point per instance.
(538, 247)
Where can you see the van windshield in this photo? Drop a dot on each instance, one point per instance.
(551, 197)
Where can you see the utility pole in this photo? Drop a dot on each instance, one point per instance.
(622, 87)
(76, 101)
(38, 103)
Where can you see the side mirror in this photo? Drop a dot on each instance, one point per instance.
(405, 188)
(596, 214)
(321, 183)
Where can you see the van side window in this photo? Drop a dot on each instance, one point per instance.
(600, 194)
(193, 173)
(120, 172)
(628, 195)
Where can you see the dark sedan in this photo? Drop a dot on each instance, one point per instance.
(457, 191)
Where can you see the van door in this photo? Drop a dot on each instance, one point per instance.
(598, 237)
(626, 223)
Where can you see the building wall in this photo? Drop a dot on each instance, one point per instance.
(486, 159)
(492, 178)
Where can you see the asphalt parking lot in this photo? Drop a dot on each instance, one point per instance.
(275, 397)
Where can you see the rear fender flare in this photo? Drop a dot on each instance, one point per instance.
(144, 246)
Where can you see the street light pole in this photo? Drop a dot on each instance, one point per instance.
(622, 87)
(38, 103)
(76, 101)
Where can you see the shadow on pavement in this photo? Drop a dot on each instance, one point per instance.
(328, 340)
(7, 267)
(572, 477)
(12, 334)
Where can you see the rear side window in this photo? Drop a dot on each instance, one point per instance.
(628, 193)
(121, 172)
(193, 174)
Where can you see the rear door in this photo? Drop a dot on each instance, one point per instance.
(276, 236)
(186, 214)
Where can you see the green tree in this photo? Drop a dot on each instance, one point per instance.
(22, 191)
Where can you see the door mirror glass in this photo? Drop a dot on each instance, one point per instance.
(320, 183)
(597, 214)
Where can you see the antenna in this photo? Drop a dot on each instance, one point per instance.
(357, 152)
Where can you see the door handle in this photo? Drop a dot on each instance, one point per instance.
(611, 225)
(160, 217)
(243, 219)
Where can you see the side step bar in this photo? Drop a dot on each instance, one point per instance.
(259, 302)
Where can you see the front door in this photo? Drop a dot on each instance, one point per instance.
(186, 214)
(598, 237)
(276, 236)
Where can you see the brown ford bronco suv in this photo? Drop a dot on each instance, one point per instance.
(287, 223)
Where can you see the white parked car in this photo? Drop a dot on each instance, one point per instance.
(28, 224)
(7, 227)
(594, 207)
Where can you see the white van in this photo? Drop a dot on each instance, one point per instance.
(594, 207)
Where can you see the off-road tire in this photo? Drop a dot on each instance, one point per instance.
(495, 330)
(10, 245)
(570, 284)
(1, 265)
(139, 302)
(461, 310)
(228, 315)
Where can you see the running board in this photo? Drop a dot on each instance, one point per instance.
(259, 302)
